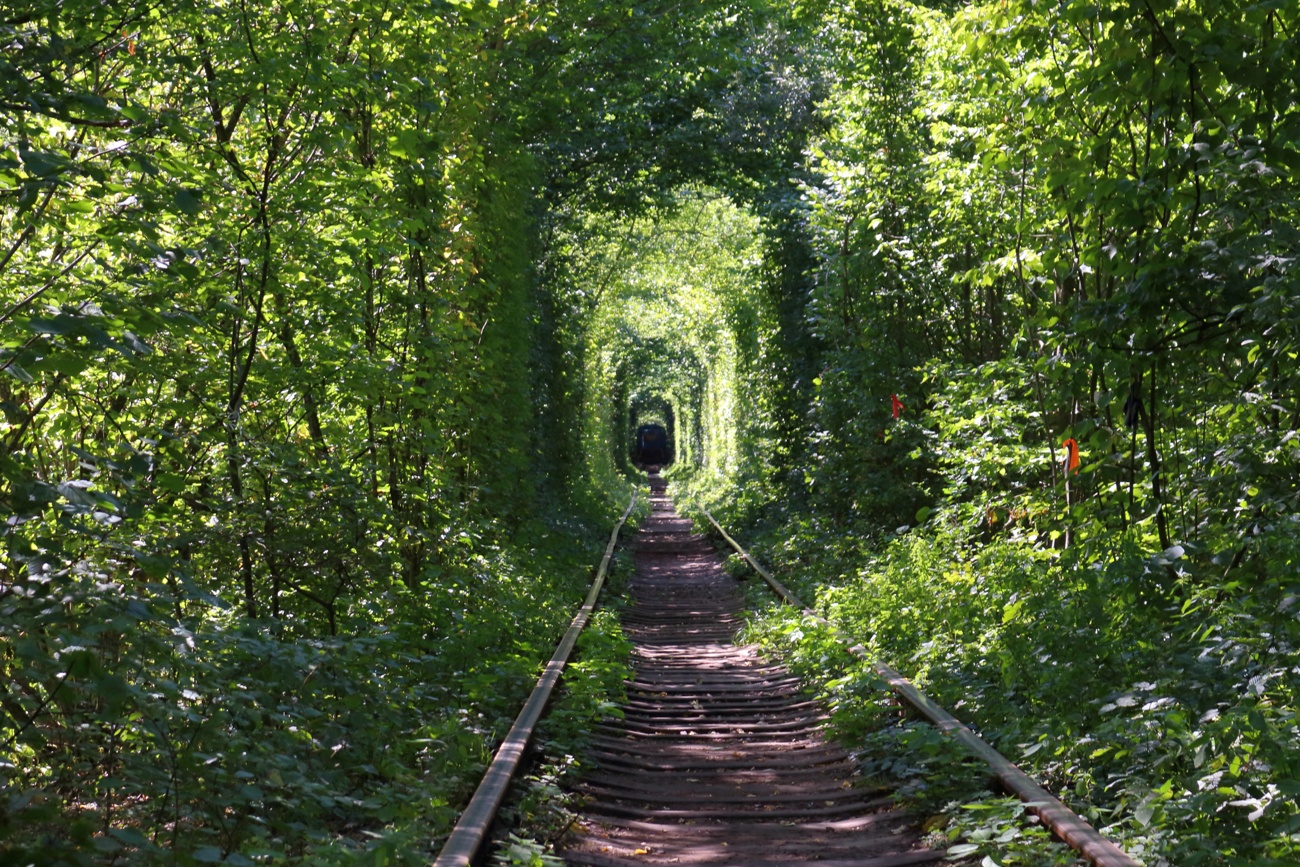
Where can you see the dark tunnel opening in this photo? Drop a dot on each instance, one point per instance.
(652, 446)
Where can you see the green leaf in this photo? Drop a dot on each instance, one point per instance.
(187, 202)
(134, 112)
(131, 837)
(43, 164)
(14, 369)
(61, 325)
(69, 365)
(79, 661)
(170, 482)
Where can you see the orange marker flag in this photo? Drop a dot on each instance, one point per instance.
(1073, 460)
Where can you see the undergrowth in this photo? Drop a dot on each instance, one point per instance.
(539, 811)
(211, 740)
(931, 775)
(1160, 705)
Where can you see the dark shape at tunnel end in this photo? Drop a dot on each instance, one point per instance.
(652, 447)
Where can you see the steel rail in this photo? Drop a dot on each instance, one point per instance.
(472, 828)
(1064, 822)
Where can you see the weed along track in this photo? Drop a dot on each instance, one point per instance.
(721, 757)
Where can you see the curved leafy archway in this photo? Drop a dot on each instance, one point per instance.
(669, 336)
(324, 324)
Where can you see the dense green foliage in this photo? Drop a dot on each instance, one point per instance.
(291, 468)
(1039, 223)
(325, 324)
(677, 337)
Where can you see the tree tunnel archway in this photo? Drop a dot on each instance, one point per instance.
(671, 336)
(659, 380)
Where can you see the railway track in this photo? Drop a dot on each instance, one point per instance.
(721, 757)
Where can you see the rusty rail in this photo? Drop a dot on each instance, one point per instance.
(1064, 822)
(468, 835)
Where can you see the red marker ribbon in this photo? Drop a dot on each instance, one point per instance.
(1073, 448)
(898, 405)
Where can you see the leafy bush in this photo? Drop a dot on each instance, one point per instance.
(214, 738)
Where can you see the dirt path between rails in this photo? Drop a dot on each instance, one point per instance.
(721, 758)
